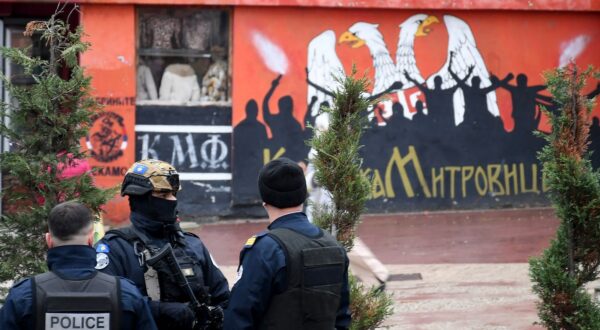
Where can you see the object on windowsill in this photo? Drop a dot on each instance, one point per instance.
(146, 88)
(214, 82)
(179, 83)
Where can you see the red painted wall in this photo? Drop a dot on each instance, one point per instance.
(111, 62)
(509, 42)
(516, 42)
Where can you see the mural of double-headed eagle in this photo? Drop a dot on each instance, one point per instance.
(323, 63)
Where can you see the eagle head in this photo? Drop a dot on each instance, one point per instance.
(360, 33)
(417, 25)
(423, 28)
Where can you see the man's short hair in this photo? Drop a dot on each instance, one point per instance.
(69, 219)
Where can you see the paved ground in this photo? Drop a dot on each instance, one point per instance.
(473, 265)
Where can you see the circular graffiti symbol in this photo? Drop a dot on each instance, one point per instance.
(107, 137)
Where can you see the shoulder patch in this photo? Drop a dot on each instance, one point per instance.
(250, 242)
(102, 248)
(102, 260)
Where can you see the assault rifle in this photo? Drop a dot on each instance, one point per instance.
(207, 317)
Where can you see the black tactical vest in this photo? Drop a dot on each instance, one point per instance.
(315, 271)
(170, 291)
(92, 303)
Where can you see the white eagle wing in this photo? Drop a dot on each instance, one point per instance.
(323, 66)
(462, 43)
(405, 53)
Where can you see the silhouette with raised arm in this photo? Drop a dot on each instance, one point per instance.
(476, 108)
(440, 104)
(524, 101)
(286, 131)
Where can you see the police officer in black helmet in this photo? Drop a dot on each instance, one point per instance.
(294, 275)
(74, 295)
(152, 186)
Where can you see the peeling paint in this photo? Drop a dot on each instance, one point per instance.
(210, 188)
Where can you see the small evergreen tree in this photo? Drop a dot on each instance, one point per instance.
(46, 122)
(573, 257)
(337, 163)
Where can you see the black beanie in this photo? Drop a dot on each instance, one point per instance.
(281, 183)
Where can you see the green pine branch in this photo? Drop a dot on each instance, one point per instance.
(337, 163)
(44, 122)
(560, 274)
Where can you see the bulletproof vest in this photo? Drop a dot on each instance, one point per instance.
(315, 271)
(92, 303)
(168, 289)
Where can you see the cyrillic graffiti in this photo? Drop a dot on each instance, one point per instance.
(116, 101)
(452, 181)
(188, 150)
(111, 171)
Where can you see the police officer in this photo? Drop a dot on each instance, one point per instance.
(74, 295)
(152, 186)
(295, 275)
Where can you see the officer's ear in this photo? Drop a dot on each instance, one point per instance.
(49, 241)
(90, 238)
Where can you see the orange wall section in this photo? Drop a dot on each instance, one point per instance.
(110, 62)
(541, 36)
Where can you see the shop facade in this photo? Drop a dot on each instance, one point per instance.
(218, 88)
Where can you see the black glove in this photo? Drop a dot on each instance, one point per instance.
(174, 315)
(215, 317)
(208, 317)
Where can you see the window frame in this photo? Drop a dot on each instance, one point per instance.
(227, 54)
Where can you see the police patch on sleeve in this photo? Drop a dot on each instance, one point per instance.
(102, 248)
(101, 260)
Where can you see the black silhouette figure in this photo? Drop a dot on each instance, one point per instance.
(249, 140)
(397, 118)
(524, 101)
(440, 103)
(286, 131)
(397, 126)
(420, 117)
(476, 108)
(309, 119)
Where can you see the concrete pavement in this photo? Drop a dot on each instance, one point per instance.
(450, 270)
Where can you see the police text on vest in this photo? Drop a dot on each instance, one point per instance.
(78, 321)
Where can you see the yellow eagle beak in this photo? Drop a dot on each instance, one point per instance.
(423, 29)
(349, 37)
